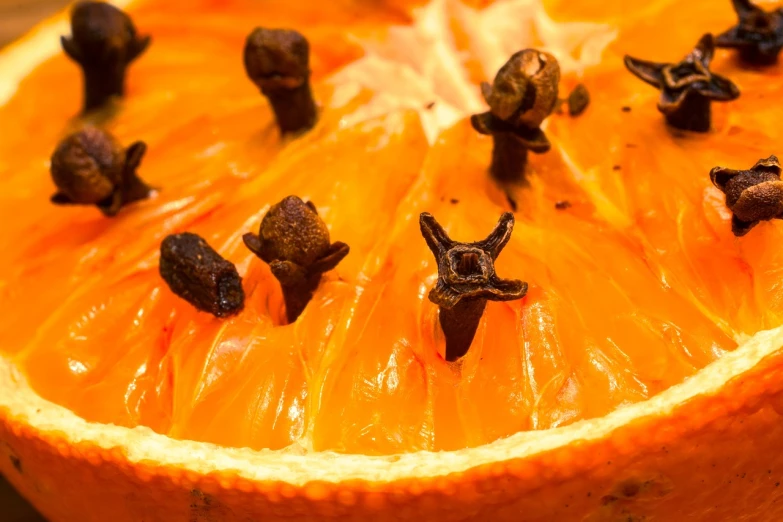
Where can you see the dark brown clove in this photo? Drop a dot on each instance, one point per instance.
(295, 243)
(466, 280)
(90, 167)
(103, 42)
(578, 100)
(758, 36)
(753, 195)
(278, 62)
(522, 95)
(688, 88)
(199, 275)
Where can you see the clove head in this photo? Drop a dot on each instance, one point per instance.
(525, 89)
(277, 59)
(687, 87)
(292, 231)
(752, 195)
(90, 167)
(295, 243)
(87, 166)
(758, 36)
(102, 35)
(467, 270)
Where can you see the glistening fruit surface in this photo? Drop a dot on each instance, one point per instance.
(634, 287)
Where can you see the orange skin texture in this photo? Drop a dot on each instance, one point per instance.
(668, 291)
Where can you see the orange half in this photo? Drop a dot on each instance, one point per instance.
(638, 379)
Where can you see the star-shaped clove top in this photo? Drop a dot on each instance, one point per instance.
(467, 270)
(758, 36)
(686, 87)
(752, 195)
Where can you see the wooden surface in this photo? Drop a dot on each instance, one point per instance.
(13, 508)
(16, 17)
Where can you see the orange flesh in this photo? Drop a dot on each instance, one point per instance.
(634, 287)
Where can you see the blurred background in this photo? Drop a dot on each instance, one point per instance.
(16, 17)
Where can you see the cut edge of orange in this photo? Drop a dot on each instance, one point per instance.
(25, 413)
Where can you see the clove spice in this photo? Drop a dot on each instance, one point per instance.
(90, 167)
(752, 195)
(278, 62)
(294, 241)
(688, 88)
(523, 93)
(467, 280)
(758, 36)
(578, 100)
(103, 42)
(195, 272)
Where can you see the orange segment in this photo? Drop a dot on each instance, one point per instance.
(197, 341)
(598, 330)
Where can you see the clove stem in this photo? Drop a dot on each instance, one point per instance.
(296, 296)
(459, 325)
(694, 114)
(278, 62)
(294, 109)
(102, 84)
(509, 157)
(103, 42)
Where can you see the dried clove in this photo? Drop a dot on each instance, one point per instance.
(90, 167)
(578, 100)
(753, 195)
(103, 42)
(467, 279)
(200, 276)
(687, 88)
(758, 36)
(295, 243)
(522, 95)
(278, 62)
